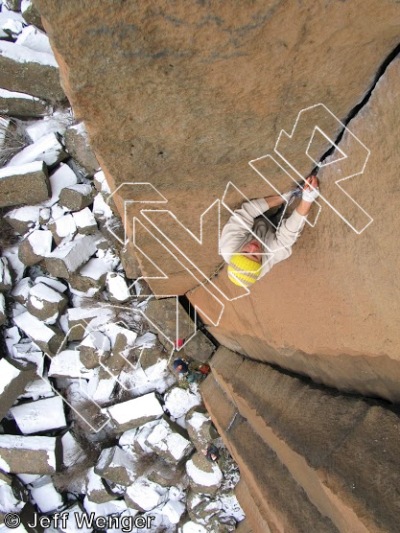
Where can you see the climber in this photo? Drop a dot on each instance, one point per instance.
(249, 258)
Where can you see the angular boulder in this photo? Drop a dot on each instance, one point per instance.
(28, 455)
(25, 184)
(204, 477)
(28, 71)
(134, 413)
(13, 380)
(17, 104)
(35, 247)
(67, 258)
(45, 303)
(77, 144)
(48, 149)
(40, 415)
(77, 197)
(48, 338)
(24, 218)
(117, 466)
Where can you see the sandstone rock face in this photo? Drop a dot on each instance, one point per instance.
(227, 82)
(307, 437)
(348, 279)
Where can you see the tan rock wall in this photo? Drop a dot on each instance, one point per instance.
(340, 449)
(181, 96)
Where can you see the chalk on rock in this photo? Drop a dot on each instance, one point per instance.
(145, 495)
(47, 149)
(45, 495)
(34, 39)
(168, 444)
(62, 228)
(117, 288)
(77, 197)
(35, 247)
(85, 221)
(94, 349)
(5, 275)
(117, 466)
(77, 144)
(67, 258)
(46, 303)
(28, 455)
(24, 218)
(13, 380)
(31, 72)
(134, 413)
(41, 415)
(48, 338)
(25, 184)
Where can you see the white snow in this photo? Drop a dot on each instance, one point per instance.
(163, 438)
(148, 340)
(173, 510)
(45, 495)
(8, 501)
(113, 330)
(55, 123)
(71, 449)
(8, 373)
(12, 94)
(18, 268)
(22, 54)
(18, 442)
(107, 508)
(201, 477)
(5, 275)
(100, 208)
(27, 213)
(39, 388)
(100, 388)
(43, 293)
(41, 415)
(11, 337)
(146, 494)
(179, 401)
(36, 166)
(2, 304)
(51, 282)
(197, 420)
(117, 287)
(192, 527)
(34, 328)
(101, 179)
(75, 253)
(94, 269)
(60, 178)
(10, 25)
(34, 39)
(26, 351)
(68, 364)
(48, 149)
(132, 410)
(84, 219)
(40, 241)
(65, 227)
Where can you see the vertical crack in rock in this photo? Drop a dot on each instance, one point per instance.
(357, 108)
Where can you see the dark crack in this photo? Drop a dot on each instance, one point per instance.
(357, 108)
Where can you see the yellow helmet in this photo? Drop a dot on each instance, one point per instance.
(243, 271)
